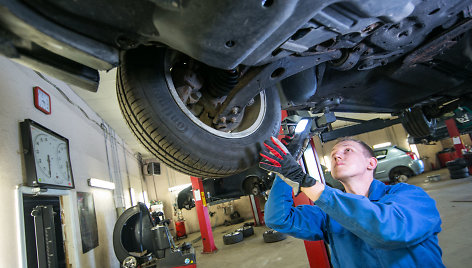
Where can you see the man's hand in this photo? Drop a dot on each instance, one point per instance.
(287, 139)
(276, 158)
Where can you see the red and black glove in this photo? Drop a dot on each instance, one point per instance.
(277, 159)
(287, 139)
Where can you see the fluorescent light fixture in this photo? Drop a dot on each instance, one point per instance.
(301, 125)
(380, 145)
(101, 184)
(179, 188)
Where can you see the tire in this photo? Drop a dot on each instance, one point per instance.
(165, 127)
(400, 174)
(246, 230)
(232, 238)
(460, 173)
(459, 176)
(455, 168)
(271, 236)
(417, 124)
(468, 158)
(458, 163)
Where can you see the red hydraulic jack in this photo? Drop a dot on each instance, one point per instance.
(203, 217)
(256, 211)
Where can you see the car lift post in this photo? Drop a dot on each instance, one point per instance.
(256, 210)
(315, 250)
(203, 217)
(456, 139)
(455, 135)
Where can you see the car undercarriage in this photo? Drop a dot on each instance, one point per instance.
(201, 83)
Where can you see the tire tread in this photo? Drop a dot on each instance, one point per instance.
(153, 134)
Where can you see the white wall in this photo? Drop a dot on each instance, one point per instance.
(95, 151)
(73, 119)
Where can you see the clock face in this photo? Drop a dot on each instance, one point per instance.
(42, 101)
(62, 154)
(51, 157)
(43, 158)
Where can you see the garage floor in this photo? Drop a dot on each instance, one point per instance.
(454, 201)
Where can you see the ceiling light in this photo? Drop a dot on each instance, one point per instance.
(101, 184)
(380, 145)
(179, 188)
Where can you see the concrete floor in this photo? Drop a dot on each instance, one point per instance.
(454, 201)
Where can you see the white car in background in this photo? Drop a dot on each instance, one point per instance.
(396, 164)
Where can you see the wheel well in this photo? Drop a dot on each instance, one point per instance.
(402, 169)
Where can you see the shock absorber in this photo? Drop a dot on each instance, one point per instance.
(221, 82)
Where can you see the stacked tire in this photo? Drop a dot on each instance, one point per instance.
(238, 235)
(232, 238)
(458, 168)
(246, 230)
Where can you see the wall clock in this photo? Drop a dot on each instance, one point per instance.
(42, 100)
(47, 158)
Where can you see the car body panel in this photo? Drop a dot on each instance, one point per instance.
(392, 157)
(368, 56)
(93, 33)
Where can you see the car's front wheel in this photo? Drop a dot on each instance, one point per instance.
(171, 119)
(400, 174)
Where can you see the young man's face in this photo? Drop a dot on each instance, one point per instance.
(349, 159)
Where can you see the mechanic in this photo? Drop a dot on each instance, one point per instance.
(369, 225)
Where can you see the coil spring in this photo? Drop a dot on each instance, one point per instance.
(221, 82)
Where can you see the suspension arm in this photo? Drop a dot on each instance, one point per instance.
(260, 78)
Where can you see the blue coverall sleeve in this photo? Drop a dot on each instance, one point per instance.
(305, 222)
(404, 217)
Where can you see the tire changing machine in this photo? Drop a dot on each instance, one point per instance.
(141, 241)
